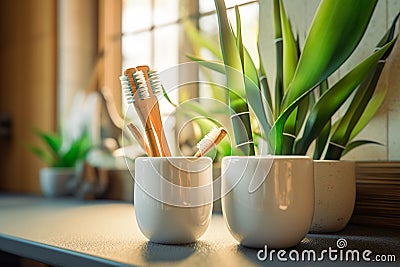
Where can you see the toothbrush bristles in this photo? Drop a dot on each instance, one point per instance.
(155, 82)
(210, 140)
(142, 88)
(127, 89)
(207, 138)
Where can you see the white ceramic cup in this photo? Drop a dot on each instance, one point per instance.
(268, 200)
(173, 198)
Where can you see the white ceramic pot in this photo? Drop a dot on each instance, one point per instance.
(57, 182)
(268, 200)
(173, 198)
(335, 195)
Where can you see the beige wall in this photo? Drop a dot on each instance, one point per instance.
(28, 86)
(77, 49)
(385, 127)
(48, 52)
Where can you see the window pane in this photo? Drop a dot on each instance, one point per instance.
(166, 49)
(249, 17)
(136, 49)
(232, 3)
(166, 11)
(166, 46)
(151, 37)
(207, 5)
(136, 15)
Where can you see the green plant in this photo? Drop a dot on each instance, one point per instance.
(303, 105)
(57, 154)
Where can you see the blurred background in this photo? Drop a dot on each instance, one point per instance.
(61, 62)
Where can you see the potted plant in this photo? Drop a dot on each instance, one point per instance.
(300, 111)
(65, 162)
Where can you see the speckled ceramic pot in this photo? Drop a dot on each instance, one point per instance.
(335, 194)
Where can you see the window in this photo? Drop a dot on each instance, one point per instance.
(153, 34)
(208, 25)
(150, 36)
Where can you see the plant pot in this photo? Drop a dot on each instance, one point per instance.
(173, 198)
(57, 182)
(268, 200)
(335, 195)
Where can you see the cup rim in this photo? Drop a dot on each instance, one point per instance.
(332, 161)
(260, 157)
(194, 159)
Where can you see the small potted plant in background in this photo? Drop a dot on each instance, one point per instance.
(299, 114)
(64, 160)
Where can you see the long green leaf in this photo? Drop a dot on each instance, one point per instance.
(239, 41)
(321, 141)
(378, 97)
(43, 155)
(370, 111)
(389, 36)
(279, 92)
(290, 56)
(210, 64)
(76, 152)
(252, 82)
(229, 51)
(331, 100)
(85, 144)
(265, 89)
(289, 59)
(71, 155)
(288, 137)
(330, 41)
(255, 98)
(261, 43)
(301, 113)
(199, 40)
(240, 113)
(202, 41)
(167, 97)
(356, 144)
(360, 101)
(346, 125)
(52, 140)
(193, 106)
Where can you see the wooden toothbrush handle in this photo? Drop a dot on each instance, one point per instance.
(152, 140)
(150, 133)
(155, 117)
(164, 144)
(159, 129)
(139, 138)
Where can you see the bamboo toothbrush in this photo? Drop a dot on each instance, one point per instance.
(209, 141)
(139, 138)
(156, 91)
(134, 86)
